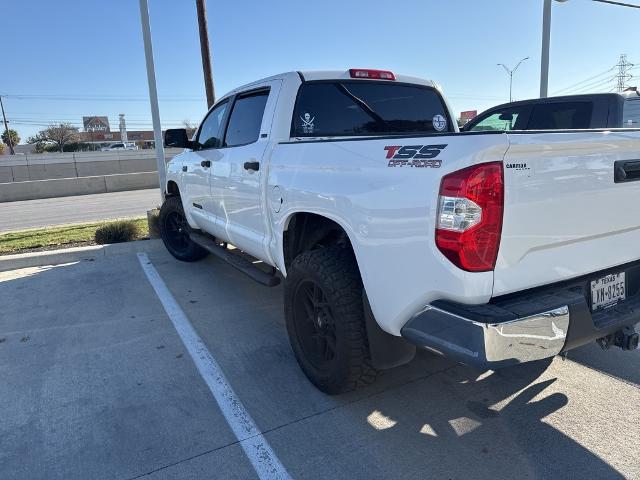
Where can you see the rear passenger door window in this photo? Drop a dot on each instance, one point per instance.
(561, 116)
(246, 118)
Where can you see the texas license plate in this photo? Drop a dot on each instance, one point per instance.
(607, 291)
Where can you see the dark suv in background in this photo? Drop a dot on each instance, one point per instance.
(600, 110)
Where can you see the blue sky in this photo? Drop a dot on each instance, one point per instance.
(71, 58)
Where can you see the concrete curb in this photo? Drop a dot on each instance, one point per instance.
(77, 254)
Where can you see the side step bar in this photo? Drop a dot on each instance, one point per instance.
(241, 263)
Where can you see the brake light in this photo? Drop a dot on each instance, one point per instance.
(469, 222)
(374, 74)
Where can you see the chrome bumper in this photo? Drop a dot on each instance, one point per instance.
(489, 345)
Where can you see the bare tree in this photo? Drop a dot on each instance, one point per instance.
(59, 135)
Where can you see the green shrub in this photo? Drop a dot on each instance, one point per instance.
(153, 220)
(117, 232)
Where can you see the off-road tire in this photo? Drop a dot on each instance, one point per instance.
(335, 271)
(178, 242)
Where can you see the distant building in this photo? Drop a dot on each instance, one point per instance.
(98, 132)
(468, 115)
(142, 138)
(96, 124)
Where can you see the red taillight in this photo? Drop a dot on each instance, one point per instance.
(469, 222)
(374, 74)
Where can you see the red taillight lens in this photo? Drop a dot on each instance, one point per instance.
(374, 74)
(469, 222)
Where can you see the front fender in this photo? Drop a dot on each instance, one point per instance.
(175, 176)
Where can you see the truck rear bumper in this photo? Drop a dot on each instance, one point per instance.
(489, 345)
(523, 327)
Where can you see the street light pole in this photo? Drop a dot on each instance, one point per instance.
(153, 96)
(546, 40)
(510, 72)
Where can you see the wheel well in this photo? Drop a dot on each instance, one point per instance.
(172, 189)
(308, 231)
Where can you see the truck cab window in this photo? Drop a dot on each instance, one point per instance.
(209, 135)
(561, 115)
(246, 118)
(352, 108)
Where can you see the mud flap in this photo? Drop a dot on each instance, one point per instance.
(386, 350)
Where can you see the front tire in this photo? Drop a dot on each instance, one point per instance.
(174, 231)
(324, 315)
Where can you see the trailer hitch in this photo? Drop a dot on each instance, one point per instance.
(626, 338)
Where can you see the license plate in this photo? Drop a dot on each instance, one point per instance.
(608, 291)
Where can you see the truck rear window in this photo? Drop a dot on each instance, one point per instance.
(631, 113)
(359, 108)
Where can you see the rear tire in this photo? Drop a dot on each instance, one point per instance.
(174, 231)
(325, 321)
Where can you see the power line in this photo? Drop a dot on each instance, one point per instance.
(570, 87)
(620, 4)
(96, 98)
(594, 85)
(597, 82)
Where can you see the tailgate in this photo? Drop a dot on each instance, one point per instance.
(567, 213)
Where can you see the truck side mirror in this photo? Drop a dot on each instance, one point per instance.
(177, 137)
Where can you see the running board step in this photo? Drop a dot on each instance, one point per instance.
(241, 263)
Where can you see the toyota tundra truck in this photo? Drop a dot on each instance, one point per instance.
(391, 230)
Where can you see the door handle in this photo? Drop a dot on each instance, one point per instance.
(255, 166)
(205, 163)
(184, 168)
(626, 171)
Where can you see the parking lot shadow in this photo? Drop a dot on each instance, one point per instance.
(614, 362)
(476, 425)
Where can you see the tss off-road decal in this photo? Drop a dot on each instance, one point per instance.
(420, 156)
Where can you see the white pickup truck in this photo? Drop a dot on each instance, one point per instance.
(393, 230)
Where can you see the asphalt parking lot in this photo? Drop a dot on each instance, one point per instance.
(97, 383)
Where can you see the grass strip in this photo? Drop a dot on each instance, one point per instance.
(52, 238)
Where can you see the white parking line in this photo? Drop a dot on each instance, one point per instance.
(255, 446)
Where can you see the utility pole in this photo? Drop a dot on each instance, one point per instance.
(546, 40)
(204, 51)
(623, 75)
(510, 72)
(153, 96)
(6, 127)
